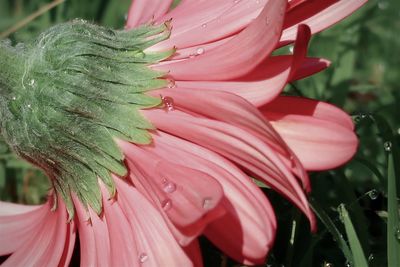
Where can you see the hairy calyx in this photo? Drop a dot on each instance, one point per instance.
(65, 98)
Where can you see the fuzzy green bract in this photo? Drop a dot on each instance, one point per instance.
(67, 96)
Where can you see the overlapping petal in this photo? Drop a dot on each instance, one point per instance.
(35, 235)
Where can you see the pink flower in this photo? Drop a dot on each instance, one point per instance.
(193, 178)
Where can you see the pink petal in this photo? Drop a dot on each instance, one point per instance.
(234, 110)
(268, 79)
(309, 107)
(17, 223)
(320, 135)
(185, 194)
(238, 56)
(155, 245)
(200, 22)
(237, 145)
(194, 253)
(250, 220)
(46, 242)
(318, 15)
(93, 237)
(145, 11)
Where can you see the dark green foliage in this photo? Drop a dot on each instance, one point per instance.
(69, 93)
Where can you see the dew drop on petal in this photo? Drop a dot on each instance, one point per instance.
(204, 25)
(207, 203)
(267, 21)
(143, 257)
(169, 187)
(166, 204)
(171, 83)
(387, 146)
(168, 103)
(200, 51)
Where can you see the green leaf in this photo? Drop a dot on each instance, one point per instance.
(359, 259)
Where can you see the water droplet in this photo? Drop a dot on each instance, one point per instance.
(166, 204)
(171, 83)
(168, 103)
(387, 146)
(32, 82)
(373, 194)
(257, 2)
(267, 21)
(236, 1)
(143, 257)
(371, 257)
(169, 187)
(29, 106)
(328, 264)
(204, 25)
(291, 49)
(397, 233)
(14, 98)
(348, 264)
(207, 203)
(200, 51)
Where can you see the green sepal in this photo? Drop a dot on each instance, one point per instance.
(69, 94)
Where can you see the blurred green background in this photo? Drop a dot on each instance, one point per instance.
(357, 205)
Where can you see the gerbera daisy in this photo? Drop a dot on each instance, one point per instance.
(149, 135)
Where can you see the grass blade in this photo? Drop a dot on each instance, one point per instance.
(359, 259)
(330, 225)
(393, 224)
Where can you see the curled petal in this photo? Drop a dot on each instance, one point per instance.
(249, 47)
(200, 22)
(318, 15)
(321, 135)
